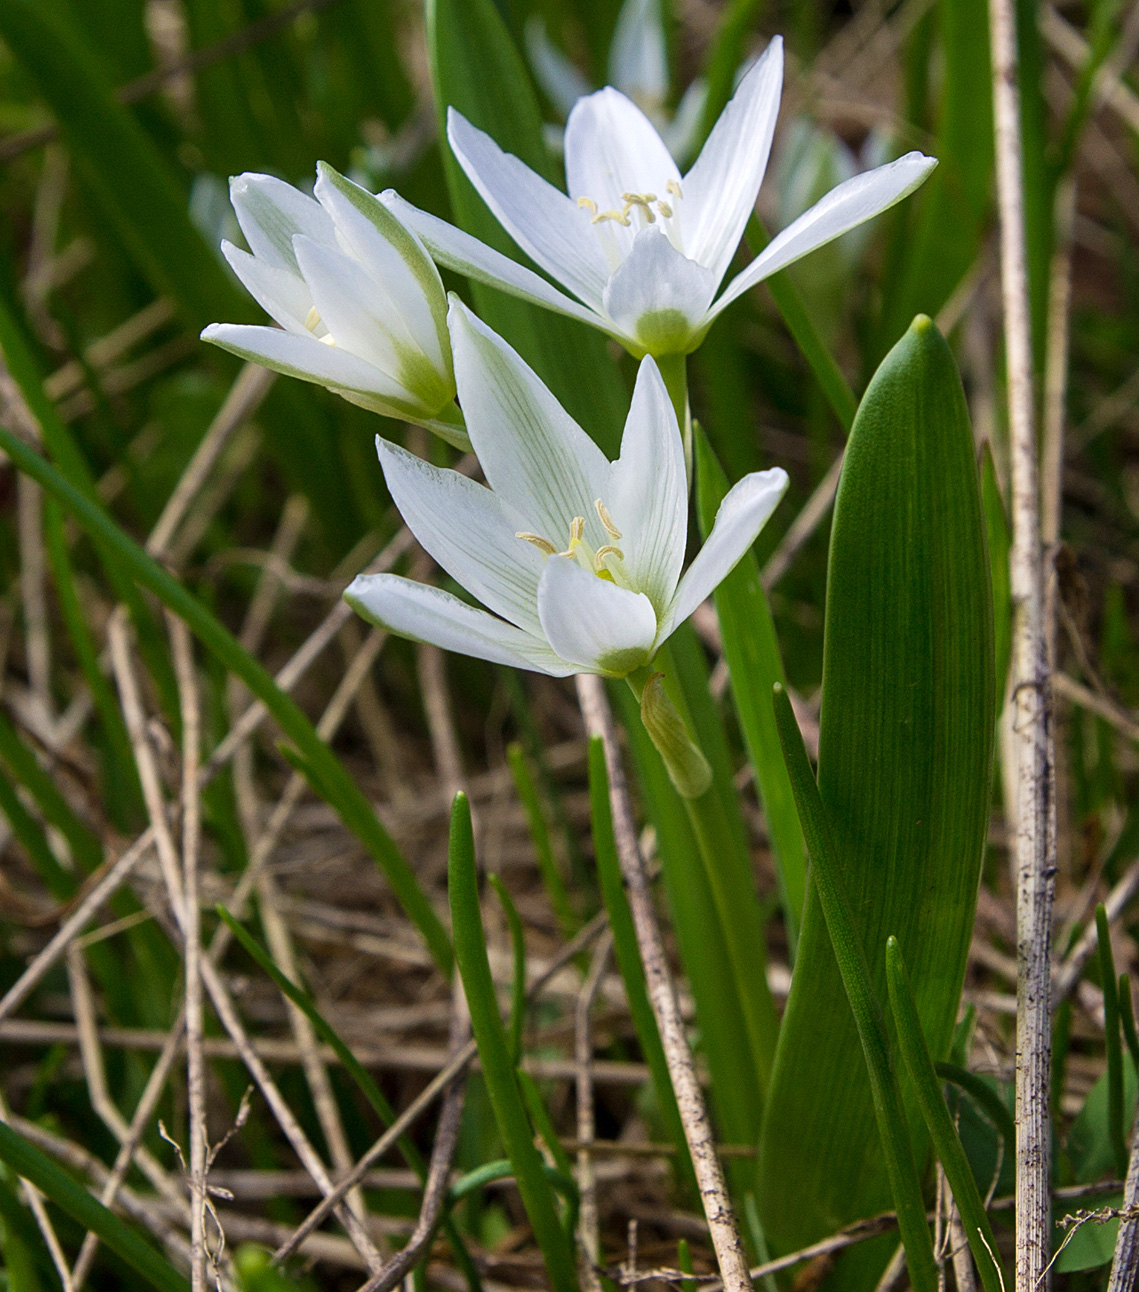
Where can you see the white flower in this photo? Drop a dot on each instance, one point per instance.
(578, 558)
(643, 248)
(638, 67)
(359, 301)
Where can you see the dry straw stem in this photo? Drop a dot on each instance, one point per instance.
(718, 1210)
(1032, 794)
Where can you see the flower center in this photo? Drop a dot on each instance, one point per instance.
(607, 562)
(314, 323)
(637, 211)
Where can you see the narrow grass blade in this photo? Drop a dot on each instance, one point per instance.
(628, 953)
(30, 1164)
(331, 779)
(725, 55)
(904, 769)
(984, 1096)
(23, 1255)
(518, 956)
(1115, 1129)
(718, 827)
(540, 1116)
(120, 165)
(754, 666)
(832, 381)
(850, 957)
(946, 1141)
(696, 924)
(34, 842)
(999, 537)
(540, 837)
(498, 1070)
(477, 70)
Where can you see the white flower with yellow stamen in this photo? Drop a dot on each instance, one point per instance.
(359, 301)
(643, 248)
(577, 559)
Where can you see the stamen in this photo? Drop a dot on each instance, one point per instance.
(577, 531)
(542, 544)
(606, 520)
(620, 217)
(665, 210)
(673, 187)
(312, 319)
(587, 204)
(642, 200)
(603, 552)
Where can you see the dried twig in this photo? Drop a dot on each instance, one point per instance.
(662, 993)
(1034, 817)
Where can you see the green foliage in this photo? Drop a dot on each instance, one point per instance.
(904, 770)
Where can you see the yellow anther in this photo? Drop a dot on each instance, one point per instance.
(312, 319)
(638, 199)
(606, 520)
(619, 217)
(542, 544)
(665, 210)
(603, 552)
(577, 532)
(673, 187)
(587, 204)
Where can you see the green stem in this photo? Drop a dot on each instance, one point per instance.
(674, 370)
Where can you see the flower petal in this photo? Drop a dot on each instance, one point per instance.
(648, 498)
(612, 148)
(270, 212)
(364, 320)
(465, 528)
(309, 359)
(281, 293)
(638, 55)
(427, 614)
(593, 623)
(460, 251)
(745, 510)
(721, 188)
(394, 256)
(535, 456)
(658, 298)
(560, 80)
(542, 221)
(680, 135)
(845, 207)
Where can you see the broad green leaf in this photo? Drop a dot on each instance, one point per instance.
(754, 666)
(28, 1162)
(318, 761)
(477, 70)
(906, 731)
(121, 166)
(829, 890)
(498, 1069)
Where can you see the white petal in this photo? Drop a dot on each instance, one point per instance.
(638, 55)
(743, 513)
(544, 223)
(658, 298)
(592, 622)
(560, 80)
(281, 293)
(534, 455)
(464, 527)
(851, 204)
(365, 321)
(427, 614)
(721, 188)
(270, 212)
(648, 497)
(460, 251)
(680, 133)
(309, 359)
(394, 256)
(612, 148)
